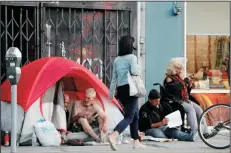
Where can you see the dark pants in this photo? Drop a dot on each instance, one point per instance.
(131, 114)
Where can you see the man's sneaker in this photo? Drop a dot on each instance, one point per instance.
(186, 130)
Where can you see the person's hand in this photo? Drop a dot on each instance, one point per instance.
(83, 114)
(164, 121)
(103, 129)
(188, 81)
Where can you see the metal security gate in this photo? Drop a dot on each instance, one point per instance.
(86, 34)
(19, 28)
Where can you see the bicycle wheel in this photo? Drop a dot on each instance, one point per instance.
(216, 132)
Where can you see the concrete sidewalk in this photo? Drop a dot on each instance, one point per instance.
(152, 147)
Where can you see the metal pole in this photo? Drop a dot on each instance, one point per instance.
(13, 118)
(138, 31)
(185, 39)
(48, 39)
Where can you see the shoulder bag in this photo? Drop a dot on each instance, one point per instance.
(136, 86)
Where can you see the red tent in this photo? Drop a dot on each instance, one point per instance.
(38, 76)
(40, 95)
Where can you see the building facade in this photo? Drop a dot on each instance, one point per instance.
(86, 32)
(164, 39)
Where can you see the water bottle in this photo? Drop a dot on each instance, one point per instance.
(34, 140)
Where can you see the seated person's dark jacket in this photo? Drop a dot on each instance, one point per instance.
(67, 114)
(177, 88)
(150, 114)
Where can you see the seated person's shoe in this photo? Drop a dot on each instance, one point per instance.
(137, 146)
(186, 130)
(195, 135)
(209, 135)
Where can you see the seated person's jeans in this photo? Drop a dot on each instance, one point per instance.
(165, 132)
(76, 127)
(81, 135)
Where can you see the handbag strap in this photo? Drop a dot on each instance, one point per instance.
(129, 71)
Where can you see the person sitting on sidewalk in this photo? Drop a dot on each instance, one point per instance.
(153, 123)
(66, 102)
(85, 112)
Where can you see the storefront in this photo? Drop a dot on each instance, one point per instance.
(208, 51)
(200, 33)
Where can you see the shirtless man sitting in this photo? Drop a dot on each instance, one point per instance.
(86, 110)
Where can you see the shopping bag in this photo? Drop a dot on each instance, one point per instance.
(132, 86)
(136, 86)
(47, 133)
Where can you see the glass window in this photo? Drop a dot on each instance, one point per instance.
(208, 59)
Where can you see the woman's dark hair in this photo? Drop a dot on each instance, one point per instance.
(126, 45)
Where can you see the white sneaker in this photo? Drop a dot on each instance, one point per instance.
(195, 135)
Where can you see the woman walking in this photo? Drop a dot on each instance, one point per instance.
(125, 63)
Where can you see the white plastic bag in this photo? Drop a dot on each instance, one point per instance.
(136, 86)
(47, 134)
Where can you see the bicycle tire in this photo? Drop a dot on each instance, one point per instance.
(201, 132)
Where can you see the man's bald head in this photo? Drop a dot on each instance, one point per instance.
(66, 100)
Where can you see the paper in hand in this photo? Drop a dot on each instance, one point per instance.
(174, 119)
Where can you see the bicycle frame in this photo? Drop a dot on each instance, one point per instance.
(225, 123)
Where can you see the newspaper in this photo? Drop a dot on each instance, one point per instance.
(174, 119)
(150, 138)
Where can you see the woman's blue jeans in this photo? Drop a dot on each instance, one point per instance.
(131, 113)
